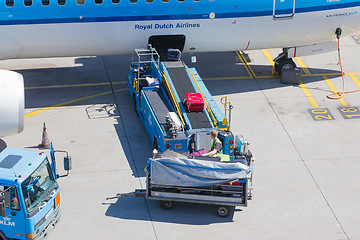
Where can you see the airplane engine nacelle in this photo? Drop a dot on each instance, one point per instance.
(11, 103)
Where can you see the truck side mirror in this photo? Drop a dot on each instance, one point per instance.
(2, 204)
(67, 163)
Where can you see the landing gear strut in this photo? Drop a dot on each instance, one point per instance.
(282, 61)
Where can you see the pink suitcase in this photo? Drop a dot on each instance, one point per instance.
(194, 102)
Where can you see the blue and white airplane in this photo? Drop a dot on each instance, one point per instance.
(59, 28)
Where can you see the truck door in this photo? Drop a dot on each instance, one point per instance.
(283, 9)
(13, 223)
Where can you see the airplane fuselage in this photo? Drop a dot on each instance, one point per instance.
(71, 29)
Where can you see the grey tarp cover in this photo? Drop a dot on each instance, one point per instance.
(194, 173)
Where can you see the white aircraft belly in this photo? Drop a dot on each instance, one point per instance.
(76, 39)
(113, 38)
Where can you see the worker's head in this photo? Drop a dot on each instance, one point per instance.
(213, 134)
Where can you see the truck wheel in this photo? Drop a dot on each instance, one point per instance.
(223, 211)
(2, 145)
(2, 236)
(166, 204)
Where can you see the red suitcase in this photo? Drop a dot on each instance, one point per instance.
(194, 102)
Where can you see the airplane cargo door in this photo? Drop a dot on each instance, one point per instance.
(163, 42)
(284, 9)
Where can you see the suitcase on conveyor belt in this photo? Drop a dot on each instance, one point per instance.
(173, 54)
(194, 102)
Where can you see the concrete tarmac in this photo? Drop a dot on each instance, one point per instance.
(306, 147)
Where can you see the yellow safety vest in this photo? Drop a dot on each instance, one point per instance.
(223, 157)
(214, 143)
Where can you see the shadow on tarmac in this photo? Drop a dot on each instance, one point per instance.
(91, 70)
(182, 213)
(98, 70)
(135, 142)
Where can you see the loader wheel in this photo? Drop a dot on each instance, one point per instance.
(156, 144)
(223, 211)
(135, 105)
(166, 204)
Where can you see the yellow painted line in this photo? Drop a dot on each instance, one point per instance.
(329, 74)
(247, 67)
(308, 95)
(354, 78)
(268, 76)
(227, 78)
(73, 85)
(302, 65)
(321, 74)
(301, 85)
(334, 90)
(70, 102)
(268, 57)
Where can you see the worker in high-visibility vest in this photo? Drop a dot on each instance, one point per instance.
(216, 148)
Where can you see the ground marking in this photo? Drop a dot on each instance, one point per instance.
(73, 85)
(354, 78)
(227, 78)
(356, 38)
(71, 101)
(334, 90)
(349, 112)
(246, 65)
(321, 114)
(268, 57)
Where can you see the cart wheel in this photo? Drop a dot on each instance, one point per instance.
(166, 204)
(223, 211)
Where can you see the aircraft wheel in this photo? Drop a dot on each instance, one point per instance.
(284, 63)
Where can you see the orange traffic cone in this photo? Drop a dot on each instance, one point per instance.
(45, 143)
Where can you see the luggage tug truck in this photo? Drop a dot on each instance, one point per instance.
(161, 90)
(29, 193)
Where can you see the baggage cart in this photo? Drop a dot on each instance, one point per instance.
(225, 195)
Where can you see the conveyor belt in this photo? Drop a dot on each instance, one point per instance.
(160, 109)
(183, 85)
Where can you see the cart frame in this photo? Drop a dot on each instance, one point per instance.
(221, 195)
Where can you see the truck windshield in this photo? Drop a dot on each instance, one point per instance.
(38, 185)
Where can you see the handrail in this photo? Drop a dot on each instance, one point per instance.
(173, 99)
(287, 16)
(227, 107)
(136, 85)
(207, 106)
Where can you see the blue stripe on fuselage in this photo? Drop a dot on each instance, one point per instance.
(169, 17)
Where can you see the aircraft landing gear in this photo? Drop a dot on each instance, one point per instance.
(282, 61)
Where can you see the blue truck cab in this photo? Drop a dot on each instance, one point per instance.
(29, 195)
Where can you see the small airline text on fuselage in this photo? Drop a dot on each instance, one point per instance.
(166, 26)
